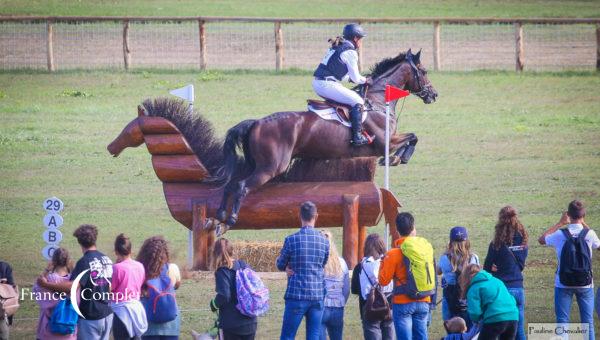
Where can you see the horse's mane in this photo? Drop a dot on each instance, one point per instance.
(197, 130)
(384, 65)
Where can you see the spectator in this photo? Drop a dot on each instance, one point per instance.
(5, 277)
(364, 276)
(337, 286)
(457, 256)
(58, 270)
(96, 272)
(410, 315)
(489, 303)
(234, 325)
(506, 257)
(457, 329)
(575, 283)
(129, 321)
(154, 255)
(303, 257)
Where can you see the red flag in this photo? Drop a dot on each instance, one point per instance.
(393, 93)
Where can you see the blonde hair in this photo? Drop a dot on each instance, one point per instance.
(333, 267)
(466, 276)
(459, 254)
(222, 254)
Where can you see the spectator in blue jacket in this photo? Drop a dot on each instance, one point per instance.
(303, 257)
(337, 285)
(506, 257)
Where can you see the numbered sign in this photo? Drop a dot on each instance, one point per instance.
(53, 204)
(53, 221)
(52, 236)
(48, 251)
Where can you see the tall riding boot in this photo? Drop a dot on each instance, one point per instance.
(358, 138)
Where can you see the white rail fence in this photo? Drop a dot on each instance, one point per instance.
(59, 43)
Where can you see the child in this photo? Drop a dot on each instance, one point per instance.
(457, 256)
(337, 285)
(457, 329)
(57, 271)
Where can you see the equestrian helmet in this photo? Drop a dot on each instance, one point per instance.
(352, 31)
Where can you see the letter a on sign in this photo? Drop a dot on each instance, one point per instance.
(52, 220)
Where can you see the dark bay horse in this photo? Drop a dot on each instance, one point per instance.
(269, 144)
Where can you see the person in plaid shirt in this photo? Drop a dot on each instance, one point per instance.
(303, 257)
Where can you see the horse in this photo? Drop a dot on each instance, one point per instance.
(271, 143)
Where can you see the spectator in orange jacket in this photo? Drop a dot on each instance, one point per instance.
(410, 315)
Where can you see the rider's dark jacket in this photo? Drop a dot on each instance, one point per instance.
(334, 66)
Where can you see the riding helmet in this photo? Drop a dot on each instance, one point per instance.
(352, 31)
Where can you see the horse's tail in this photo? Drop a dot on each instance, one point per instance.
(237, 137)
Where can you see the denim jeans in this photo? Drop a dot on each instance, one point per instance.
(563, 298)
(519, 295)
(294, 311)
(332, 323)
(410, 320)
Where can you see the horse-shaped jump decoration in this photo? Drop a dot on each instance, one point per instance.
(269, 144)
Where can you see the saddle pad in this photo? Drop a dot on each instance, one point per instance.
(331, 114)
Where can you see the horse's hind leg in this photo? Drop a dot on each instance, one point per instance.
(222, 211)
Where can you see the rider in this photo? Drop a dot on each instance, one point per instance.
(340, 63)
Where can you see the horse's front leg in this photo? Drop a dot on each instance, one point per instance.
(409, 149)
(401, 148)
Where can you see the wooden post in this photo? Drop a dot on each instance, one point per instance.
(278, 46)
(350, 231)
(597, 47)
(202, 34)
(200, 236)
(362, 236)
(519, 50)
(126, 50)
(49, 48)
(436, 46)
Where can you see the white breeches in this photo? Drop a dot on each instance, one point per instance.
(336, 91)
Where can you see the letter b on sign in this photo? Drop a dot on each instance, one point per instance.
(52, 236)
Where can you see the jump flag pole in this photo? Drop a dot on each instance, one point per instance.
(187, 93)
(391, 93)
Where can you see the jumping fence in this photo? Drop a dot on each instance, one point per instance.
(52, 43)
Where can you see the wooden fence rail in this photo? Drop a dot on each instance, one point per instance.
(520, 32)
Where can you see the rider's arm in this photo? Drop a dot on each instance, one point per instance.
(350, 58)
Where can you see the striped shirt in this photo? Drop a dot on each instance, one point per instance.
(306, 253)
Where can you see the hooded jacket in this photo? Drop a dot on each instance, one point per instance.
(489, 300)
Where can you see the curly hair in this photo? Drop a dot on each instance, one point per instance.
(154, 254)
(508, 224)
(86, 235)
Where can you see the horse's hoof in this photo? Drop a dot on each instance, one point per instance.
(232, 219)
(395, 160)
(221, 215)
(221, 229)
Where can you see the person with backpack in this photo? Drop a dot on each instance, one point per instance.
(365, 278)
(58, 270)
(128, 277)
(232, 323)
(158, 290)
(303, 257)
(489, 304)
(573, 245)
(94, 272)
(457, 256)
(7, 284)
(411, 265)
(337, 286)
(506, 257)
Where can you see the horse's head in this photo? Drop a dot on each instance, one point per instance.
(407, 72)
(131, 136)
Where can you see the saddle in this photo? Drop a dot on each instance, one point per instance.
(342, 110)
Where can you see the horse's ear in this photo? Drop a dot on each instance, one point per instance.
(418, 57)
(142, 111)
(409, 54)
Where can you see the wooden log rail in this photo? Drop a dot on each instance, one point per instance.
(278, 27)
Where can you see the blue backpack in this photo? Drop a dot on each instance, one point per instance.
(575, 260)
(64, 318)
(160, 303)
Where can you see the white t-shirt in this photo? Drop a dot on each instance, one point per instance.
(557, 240)
(370, 267)
(350, 58)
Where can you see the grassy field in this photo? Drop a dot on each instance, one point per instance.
(492, 139)
(308, 9)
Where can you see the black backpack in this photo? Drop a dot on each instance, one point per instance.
(452, 294)
(575, 260)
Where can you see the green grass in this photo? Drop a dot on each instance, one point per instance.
(494, 138)
(308, 9)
